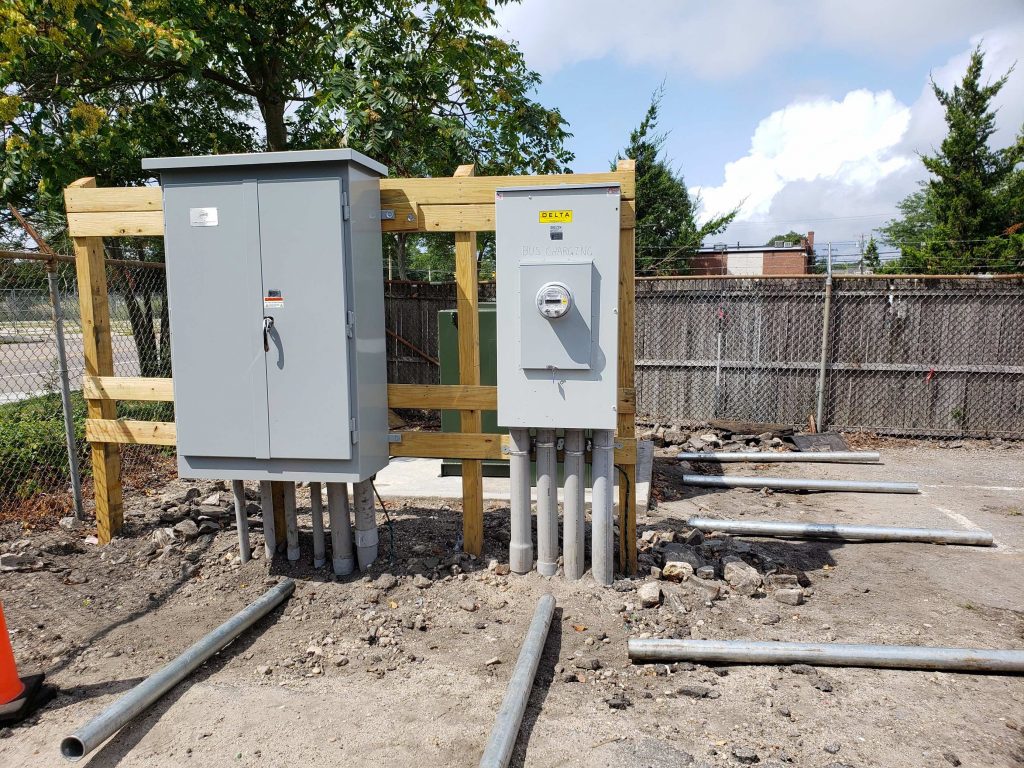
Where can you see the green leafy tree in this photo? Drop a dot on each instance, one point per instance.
(421, 86)
(667, 232)
(962, 219)
(871, 258)
(789, 237)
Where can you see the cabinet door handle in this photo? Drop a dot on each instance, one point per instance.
(268, 323)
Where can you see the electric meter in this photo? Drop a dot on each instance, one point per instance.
(554, 300)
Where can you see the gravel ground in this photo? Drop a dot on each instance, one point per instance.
(407, 664)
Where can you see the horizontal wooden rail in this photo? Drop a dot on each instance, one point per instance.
(461, 190)
(426, 396)
(131, 432)
(476, 217)
(127, 388)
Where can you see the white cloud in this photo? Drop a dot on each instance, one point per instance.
(728, 39)
(840, 167)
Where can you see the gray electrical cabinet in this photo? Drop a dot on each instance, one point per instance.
(275, 290)
(558, 298)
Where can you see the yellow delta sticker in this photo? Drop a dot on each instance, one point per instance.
(556, 217)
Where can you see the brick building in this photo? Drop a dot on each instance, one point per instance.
(777, 258)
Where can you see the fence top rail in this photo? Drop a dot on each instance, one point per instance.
(66, 259)
(822, 276)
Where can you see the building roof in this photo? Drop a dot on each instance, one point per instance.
(723, 248)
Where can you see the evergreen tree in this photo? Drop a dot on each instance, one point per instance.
(871, 258)
(667, 232)
(962, 219)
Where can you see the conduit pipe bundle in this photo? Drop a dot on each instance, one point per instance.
(603, 480)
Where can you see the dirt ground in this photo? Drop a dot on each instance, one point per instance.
(378, 671)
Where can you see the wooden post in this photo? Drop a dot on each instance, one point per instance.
(627, 358)
(466, 278)
(99, 361)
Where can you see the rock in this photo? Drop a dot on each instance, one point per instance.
(693, 691)
(187, 528)
(13, 562)
(706, 572)
(802, 669)
(649, 594)
(421, 582)
(770, 618)
(468, 604)
(71, 523)
(208, 526)
(618, 700)
(623, 585)
(823, 684)
(782, 580)
(592, 663)
(76, 577)
(743, 578)
(386, 581)
(213, 500)
(263, 669)
(570, 677)
(676, 570)
(745, 755)
(694, 537)
(340, 661)
(678, 552)
(951, 758)
(656, 572)
(695, 443)
(789, 596)
(502, 569)
(832, 747)
(492, 661)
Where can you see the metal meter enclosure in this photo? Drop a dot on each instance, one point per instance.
(275, 293)
(557, 304)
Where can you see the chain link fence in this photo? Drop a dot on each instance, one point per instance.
(903, 356)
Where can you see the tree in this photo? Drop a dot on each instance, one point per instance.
(420, 86)
(871, 259)
(962, 218)
(789, 237)
(667, 232)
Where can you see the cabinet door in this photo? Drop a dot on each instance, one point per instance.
(213, 273)
(302, 246)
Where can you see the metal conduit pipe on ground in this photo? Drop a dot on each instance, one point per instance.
(241, 520)
(798, 484)
(819, 457)
(547, 503)
(113, 718)
(503, 736)
(316, 512)
(976, 538)
(602, 470)
(826, 654)
(520, 548)
(342, 561)
(573, 521)
(269, 534)
(367, 537)
(291, 522)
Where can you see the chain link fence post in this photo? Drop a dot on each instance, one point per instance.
(826, 322)
(65, 388)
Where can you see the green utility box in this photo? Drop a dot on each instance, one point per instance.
(448, 349)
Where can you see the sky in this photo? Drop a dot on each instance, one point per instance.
(807, 114)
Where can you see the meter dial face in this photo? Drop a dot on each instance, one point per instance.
(554, 300)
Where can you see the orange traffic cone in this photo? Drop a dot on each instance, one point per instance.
(11, 686)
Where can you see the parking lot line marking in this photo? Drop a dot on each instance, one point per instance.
(1006, 488)
(966, 522)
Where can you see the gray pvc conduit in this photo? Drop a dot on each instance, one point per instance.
(269, 534)
(367, 537)
(291, 522)
(316, 512)
(241, 520)
(113, 718)
(820, 457)
(573, 522)
(520, 548)
(826, 654)
(547, 503)
(342, 560)
(503, 736)
(798, 484)
(602, 469)
(975, 538)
